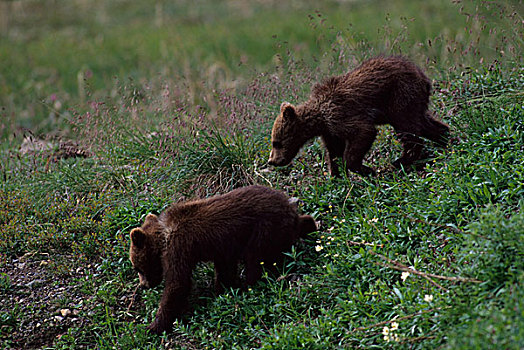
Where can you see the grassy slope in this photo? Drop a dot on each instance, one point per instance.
(65, 223)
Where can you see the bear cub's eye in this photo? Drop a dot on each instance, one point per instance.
(277, 144)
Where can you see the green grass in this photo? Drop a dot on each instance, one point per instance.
(61, 57)
(181, 104)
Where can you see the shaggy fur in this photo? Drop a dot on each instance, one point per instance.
(252, 224)
(344, 111)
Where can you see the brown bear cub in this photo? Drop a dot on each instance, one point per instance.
(344, 111)
(253, 224)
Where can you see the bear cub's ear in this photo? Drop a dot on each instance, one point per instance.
(151, 218)
(287, 110)
(138, 237)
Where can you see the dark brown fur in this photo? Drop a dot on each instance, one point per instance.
(344, 111)
(252, 224)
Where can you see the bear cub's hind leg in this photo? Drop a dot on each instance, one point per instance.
(412, 150)
(253, 271)
(225, 275)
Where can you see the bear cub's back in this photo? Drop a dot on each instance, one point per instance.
(234, 217)
(378, 84)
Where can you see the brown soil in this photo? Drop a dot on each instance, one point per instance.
(38, 305)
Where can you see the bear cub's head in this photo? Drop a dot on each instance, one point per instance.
(285, 136)
(145, 252)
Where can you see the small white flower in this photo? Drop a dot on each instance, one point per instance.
(318, 248)
(404, 275)
(387, 338)
(394, 326)
(374, 220)
(385, 330)
(428, 298)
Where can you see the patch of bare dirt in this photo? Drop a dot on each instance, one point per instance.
(38, 305)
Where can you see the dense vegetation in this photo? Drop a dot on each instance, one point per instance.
(113, 109)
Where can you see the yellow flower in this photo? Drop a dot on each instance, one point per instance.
(404, 275)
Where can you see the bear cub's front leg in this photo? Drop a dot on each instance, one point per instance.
(172, 304)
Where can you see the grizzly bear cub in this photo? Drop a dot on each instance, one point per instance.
(253, 224)
(344, 111)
